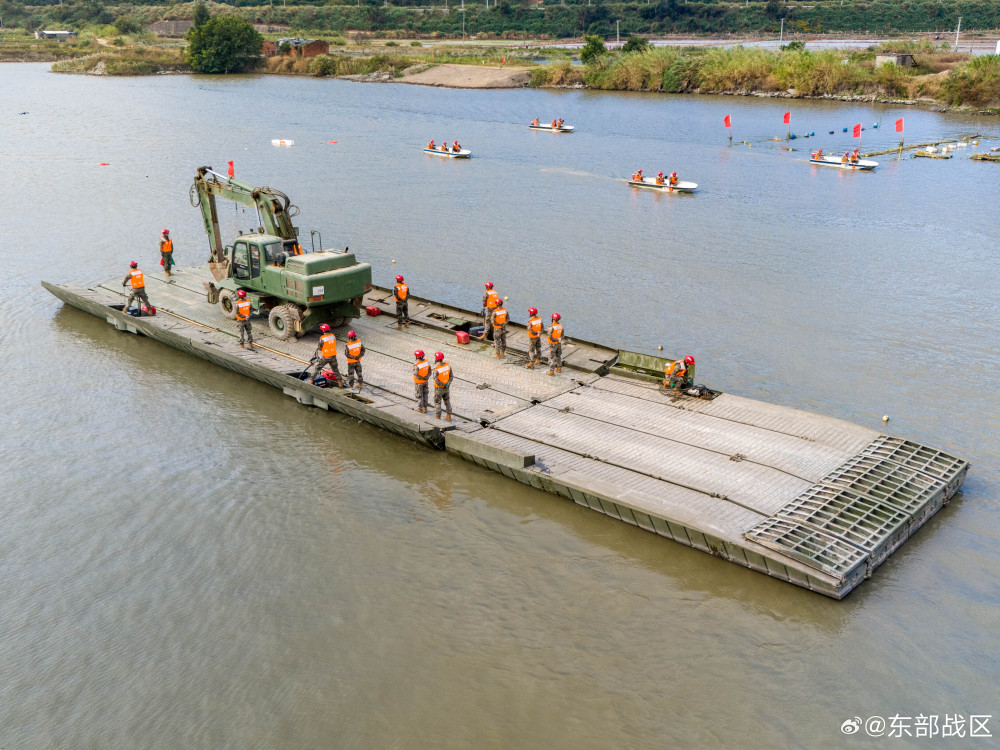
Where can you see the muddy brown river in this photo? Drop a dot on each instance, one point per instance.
(191, 559)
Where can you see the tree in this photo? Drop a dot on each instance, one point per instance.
(592, 50)
(200, 13)
(635, 44)
(222, 45)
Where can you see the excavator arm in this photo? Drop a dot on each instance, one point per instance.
(272, 206)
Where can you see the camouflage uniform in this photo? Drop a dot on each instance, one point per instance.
(323, 363)
(133, 293)
(246, 330)
(442, 393)
(420, 389)
(499, 334)
(167, 257)
(354, 368)
(535, 347)
(402, 307)
(555, 348)
(677, 376)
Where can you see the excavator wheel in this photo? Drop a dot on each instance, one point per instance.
(338, 322)
(281, 321)
(227, 303)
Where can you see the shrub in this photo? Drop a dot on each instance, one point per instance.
(223, 44)
(322, 65)
(635, 44)
(592, 50)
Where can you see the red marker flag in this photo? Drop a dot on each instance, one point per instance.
(727, 122)
(857, 130)
(899, 125)
(231, 172)
(788, 118)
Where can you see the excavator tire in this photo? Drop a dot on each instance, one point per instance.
(227, 303)
(281, 321)
(338, 322)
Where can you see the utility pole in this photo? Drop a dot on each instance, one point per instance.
(956, 32)
(618, 36)
(781, 37)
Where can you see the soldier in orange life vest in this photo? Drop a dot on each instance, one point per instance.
(535, 331)
(676, 374)
(442, 386)
(421, 373)
(431, 145)
(673, 178)
(500, 330)
(659, 178)
(401, 291)
(326, 355)
(244, 309)
(535, 122)
(555, 345)
(355, 351)
(138, 285)
(455, 147)
(490, 301)
(166, 252)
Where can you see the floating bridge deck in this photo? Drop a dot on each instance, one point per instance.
(812, 500)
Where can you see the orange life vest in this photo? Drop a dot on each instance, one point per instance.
(500, 318)
(421, 371)
(166, 246)
(137, 281)
(675, 369)
(353, 352)
(430, 145)
(555, 332)
(402, 290)
(673, 180)
(243, 309)
(328, 345)
(534, 327)
(492, 300)
(442, 374)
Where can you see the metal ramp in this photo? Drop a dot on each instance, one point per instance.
(864, 509)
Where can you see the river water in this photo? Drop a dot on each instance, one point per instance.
(190, 559)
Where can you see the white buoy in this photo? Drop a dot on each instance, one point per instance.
(394, 261)
(506, 298)
(885, 418)
(660, 348)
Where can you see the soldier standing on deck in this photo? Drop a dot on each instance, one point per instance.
(166, 253)
(244, 309)
(401, 291)
(138, 284)
(421, 373)
(500, 330)
(442, 386)
(490, 301)
(555, 345)
(326, 354)
(535, 331)
(355, 351)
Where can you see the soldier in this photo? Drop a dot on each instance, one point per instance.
(535, 330)
(166, 253)
(326, 354)
(442, 386)
(421, 373)
(490, 301)
(555, 345)
(500, 330)
(355, 351)
(244, 309)
(676, 373)
(401, 291)
(138, 286)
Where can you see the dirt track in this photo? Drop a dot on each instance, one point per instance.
(469, 77)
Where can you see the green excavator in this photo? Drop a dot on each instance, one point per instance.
(296, 290)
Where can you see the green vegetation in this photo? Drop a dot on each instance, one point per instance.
(635, 44)
(222, 45)
(592, 50)
(135, 61)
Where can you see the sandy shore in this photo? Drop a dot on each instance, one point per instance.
(468, 77)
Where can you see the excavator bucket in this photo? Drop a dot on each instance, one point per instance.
(220, 271)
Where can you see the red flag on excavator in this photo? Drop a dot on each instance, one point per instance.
(788, 118)
(727, 122)
(857, 130)
(232, 173)
(899, 125)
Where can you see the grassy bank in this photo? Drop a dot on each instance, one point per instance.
(949, 78)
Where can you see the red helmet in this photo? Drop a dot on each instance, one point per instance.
(438, 356)
(325, 328)
(352, 335)
(673, 174)
(532, 311)
(133, 264)
(419, 354)
(241, 294)
(660, 174)
(689, 360)
(399, 278)
(556, 316)
(166, 231)
(489, 284)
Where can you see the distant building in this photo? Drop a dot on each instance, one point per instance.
(298, 47)
(62, 36)
(171, 28)
(903, 61)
